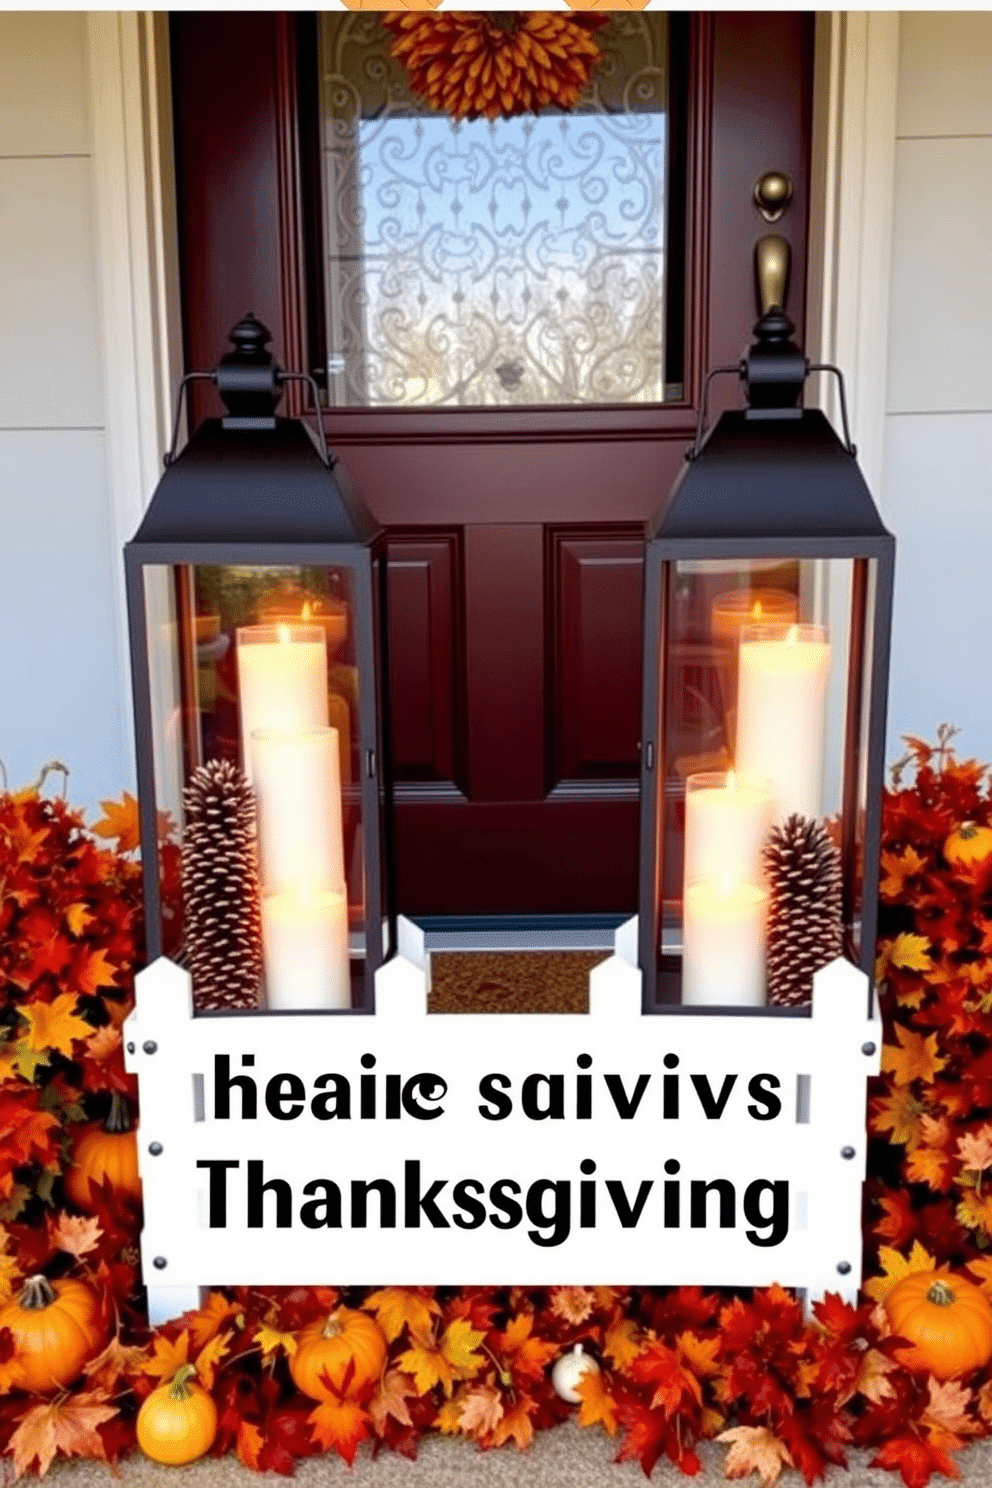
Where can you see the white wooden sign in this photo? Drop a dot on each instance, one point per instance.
(608, 1147)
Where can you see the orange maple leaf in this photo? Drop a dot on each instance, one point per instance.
(168, 1356)
(390, 1400)
(210, 1356)
(755, 1449)
(120, 824)
(527, 1357)
(911, 953)
(622, 1343)
(481, 1411)
(974, 1211)
(700, 1354)
(207, 1320)
(340, 1424)
(67, 1424)
(597, 1404)
(975, 1149)
(73, 1233)
(897, 867)
(248, 1444)
(915, 1059)
(396, 1308)
(91, 970)
(54, 1025)
(873, 1376)
(947, 1410)
(516, 1423)
(115, 1362)
(899, 1114)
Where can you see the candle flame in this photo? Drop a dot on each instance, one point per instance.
(305, 612)
(756, 610)
(793, 636)
(283, 631)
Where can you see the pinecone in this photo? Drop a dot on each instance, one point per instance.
(220, 888)
(804, 912)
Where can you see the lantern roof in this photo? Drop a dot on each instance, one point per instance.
(769, 478)
(256, 486)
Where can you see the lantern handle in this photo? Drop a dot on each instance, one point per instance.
(170, 453)
(852, 448)
(305, 377)
(738, 371)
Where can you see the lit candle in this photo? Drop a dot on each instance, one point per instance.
(305, 949)
(282, 680)
(297, 782)
(781, 707)
(750, 606)
(723, 945)
(330, 614)
(726, 824)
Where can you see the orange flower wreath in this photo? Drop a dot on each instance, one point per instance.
(494, 64)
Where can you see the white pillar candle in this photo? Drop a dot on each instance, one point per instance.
(723, 945)
(726, 825)
(282, 680)
(305, 949)
(297, 780)
(781, 707)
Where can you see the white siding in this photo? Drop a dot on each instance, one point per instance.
(60, 682)
(938, 454)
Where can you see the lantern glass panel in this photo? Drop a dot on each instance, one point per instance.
(764, 698)
(259, 666)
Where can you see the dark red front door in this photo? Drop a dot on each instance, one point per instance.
(515, 534)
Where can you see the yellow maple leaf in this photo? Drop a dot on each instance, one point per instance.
(54, 1025)
(911, 952)
(622, 1344)
(448, 1416)
(895, 1267)
(899, 1114)
(120, 823)
(597, 1404)
(700, 1354)
(915, 1059)
(398, 1307)
(755, 1449)
(452, 1358)
(270, 1339)
(168, 1356)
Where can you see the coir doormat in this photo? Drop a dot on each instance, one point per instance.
(511, 981)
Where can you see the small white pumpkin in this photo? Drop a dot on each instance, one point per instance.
(569, 1369)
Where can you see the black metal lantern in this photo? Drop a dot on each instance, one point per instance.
(768, 601)
(255, 591)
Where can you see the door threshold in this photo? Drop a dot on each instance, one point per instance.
(582, 932)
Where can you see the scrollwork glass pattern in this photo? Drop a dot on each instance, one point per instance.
(513, 262)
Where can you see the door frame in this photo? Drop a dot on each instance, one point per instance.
(849, 255)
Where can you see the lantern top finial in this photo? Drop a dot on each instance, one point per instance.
(248, 380)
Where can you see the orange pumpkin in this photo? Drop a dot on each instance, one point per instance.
(968, 845)
(947, 1321)
(57, 1326)
(177, 1422)
(327, 1348)
(104, 1150)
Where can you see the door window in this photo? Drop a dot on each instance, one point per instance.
(520, 261)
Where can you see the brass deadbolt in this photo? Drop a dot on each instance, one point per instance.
(772, 194)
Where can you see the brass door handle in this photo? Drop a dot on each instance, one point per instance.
(772, 260)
